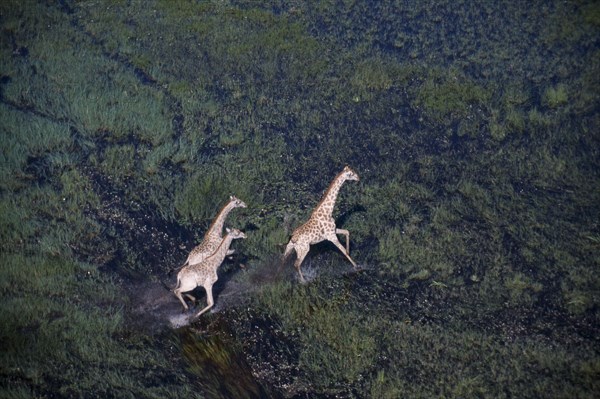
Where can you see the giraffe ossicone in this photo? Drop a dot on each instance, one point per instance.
(321, 225)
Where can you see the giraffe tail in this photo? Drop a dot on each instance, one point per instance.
(174, 269)
(178, 279)
(170, 289)
(288, 250)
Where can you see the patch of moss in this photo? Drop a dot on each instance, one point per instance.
(555, 96)
(451, 98)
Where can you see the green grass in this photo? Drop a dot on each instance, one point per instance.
(452, 98)
(400, 355)
(554, 97)
(95, 351)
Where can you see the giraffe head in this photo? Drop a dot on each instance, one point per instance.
(349, 174)
(235, 233)
(237, 203)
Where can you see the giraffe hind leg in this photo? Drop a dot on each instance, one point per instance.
(301, 254)
(191, 297)
(184, 284)
(209, 298)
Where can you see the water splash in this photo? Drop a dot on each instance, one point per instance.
(153, 306)
(180, 320)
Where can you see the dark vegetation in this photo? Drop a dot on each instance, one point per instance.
(475, 128)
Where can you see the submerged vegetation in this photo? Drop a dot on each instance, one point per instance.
(474, 128)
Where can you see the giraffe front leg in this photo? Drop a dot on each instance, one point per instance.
(337, 243)
(209, 298)
(347, 234)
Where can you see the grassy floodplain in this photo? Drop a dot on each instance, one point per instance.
(475, 129)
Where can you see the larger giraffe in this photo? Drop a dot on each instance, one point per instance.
(204, 273)
(214, 235)
(321, 225)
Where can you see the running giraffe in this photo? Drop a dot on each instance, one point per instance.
(204, 273)
(213, 236)
(321, 225)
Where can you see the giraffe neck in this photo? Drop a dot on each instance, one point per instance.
(325, 207)
(216, 228)
(221, 252)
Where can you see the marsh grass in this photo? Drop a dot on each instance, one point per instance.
(47, 306)
(401, 356)
(158, 156)
(337, 348)
(451, 99)
(334, 349)
(202, 198)
(504, 364)
(25, 137)
(13, 230)
(555, 96)
(58, 313)
(44, 298)
(372, 75)
(269, 238)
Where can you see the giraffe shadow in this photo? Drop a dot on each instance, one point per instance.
(343, 217)
(325, 260)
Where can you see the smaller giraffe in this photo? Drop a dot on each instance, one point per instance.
(213, 236)
(321, 225)
(204, 273)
